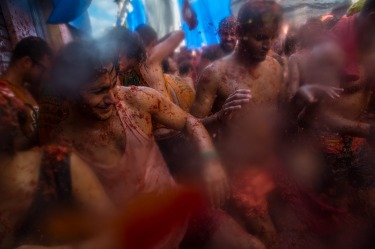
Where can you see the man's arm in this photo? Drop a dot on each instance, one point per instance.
(206, 95)
(165, 47)
(344, 126)
(310, 94)
(205, 98)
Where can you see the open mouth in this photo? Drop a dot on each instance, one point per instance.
(230, 43)
(105, 109)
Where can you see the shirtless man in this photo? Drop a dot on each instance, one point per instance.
(246, 124)
(344, 124)
(228, 40)
(29, 62)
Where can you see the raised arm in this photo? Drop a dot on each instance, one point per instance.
(165, 47)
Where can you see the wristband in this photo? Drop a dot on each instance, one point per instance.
(208, 155)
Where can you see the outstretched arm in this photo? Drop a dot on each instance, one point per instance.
(345, 126)
(310, 94)
(165, 47)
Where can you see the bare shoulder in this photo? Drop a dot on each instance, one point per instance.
(273, 65)
(271, 61)
(213, 71)
(140, 96)
(222, 63)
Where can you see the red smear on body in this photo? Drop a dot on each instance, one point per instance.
(149, 219)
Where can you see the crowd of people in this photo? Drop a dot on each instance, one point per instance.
(260, 141)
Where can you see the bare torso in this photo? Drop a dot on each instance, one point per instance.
(253, 127)
(351, 105)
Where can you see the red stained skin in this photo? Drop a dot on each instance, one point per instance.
(150, 218)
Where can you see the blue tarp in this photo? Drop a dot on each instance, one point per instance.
(209, 14)
(137, 16)
(73, 12)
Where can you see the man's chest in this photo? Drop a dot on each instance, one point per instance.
(264, 87)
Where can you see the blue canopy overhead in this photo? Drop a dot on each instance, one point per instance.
(137, 16)
(209, 14)
(73, 12)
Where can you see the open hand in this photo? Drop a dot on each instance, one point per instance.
(234, 103)
(313, 93)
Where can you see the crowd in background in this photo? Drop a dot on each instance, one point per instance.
(265, 140)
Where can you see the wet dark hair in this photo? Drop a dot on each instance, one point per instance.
(184, 67)
(227, 23)
(147, 34)
(34, 47)
(257, 13)
(77, 64)
(122, 40)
